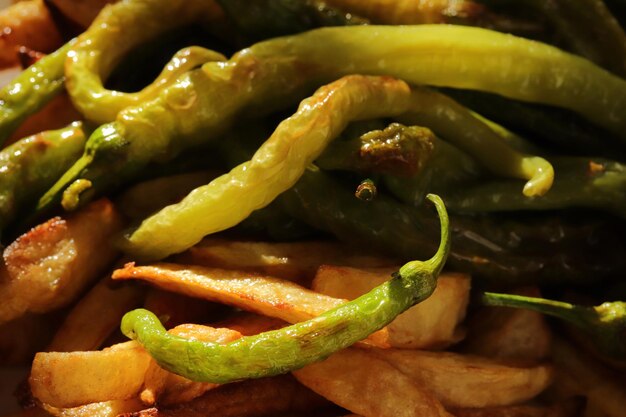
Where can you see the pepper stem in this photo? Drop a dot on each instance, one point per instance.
(574, 314)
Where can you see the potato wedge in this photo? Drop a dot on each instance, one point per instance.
(509, 334)
(29, 24)
(247, 290)
(369, 386)
(469, 381)
(296, 261)
(432, 324)
(49, 266)
(604, 388)
(96, 316)
(68, 380)
(257, 397)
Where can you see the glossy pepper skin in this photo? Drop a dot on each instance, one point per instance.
(30, 165)
(295, 346)
(604, 325)
(499, 251)
(31, 90)
(274, 73)
(116, 31)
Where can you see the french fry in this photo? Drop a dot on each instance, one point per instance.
(604, 388)
(49, 266)
(466, 381)
(249, 324)
(296, 261)
(174, 309)
(369, 386)
(433, 323)
(102, 409)
(247, 290)
(95, 316)
(251, 398)
(29, 24)
(510, 334)
(72, 379)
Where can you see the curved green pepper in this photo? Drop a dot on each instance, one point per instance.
(275, 73)
(295, 346)
(30, 165)
(605, 325)
(116, 31)
(31, 90)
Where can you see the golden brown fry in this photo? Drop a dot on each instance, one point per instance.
(469, 381)
(81, 12)
(174, 309)
(510, 334)
(49, 266)
(249, 324)
(96, 316)
(587, 377)
(247, 290)
(252, 398)
(27, 23)
(434, 323)
(367, 385)
(296, 261)
(102, 409)
(72, 379)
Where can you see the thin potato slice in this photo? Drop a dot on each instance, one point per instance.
(250, 291)
(49, 266)
(251, 398)
(510, 333)
(297, 261)
(433, 323)
(364, 384)
(466, 381)
(96, 315)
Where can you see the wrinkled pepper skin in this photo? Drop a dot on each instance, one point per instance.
(31, 90)
(30, 165)
(295, 346)
(116, 31)
(274, 73)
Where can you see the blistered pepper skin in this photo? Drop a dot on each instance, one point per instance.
(296, 346)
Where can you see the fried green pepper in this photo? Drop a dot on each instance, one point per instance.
(605, 325)
(31, 90)
(99, 49)
(580, 182)
(274, 73)
(295, 346)
(299, 140)
(30, 165)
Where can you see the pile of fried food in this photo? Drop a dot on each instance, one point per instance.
(274, 288)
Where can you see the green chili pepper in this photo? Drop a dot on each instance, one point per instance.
(31, 90)
(605, 325)
(497, 250)
(580, 182)
(263, 19)
(99, 49)
(293, 347)
(30, 165)
(203, 103)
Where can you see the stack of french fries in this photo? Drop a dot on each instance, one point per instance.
(497, 362)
